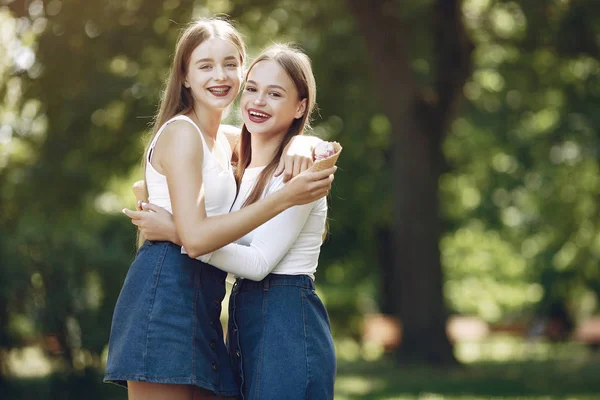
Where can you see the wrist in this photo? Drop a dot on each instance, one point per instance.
(281, 199)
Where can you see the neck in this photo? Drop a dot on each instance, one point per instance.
(208, 120)
(264, 148)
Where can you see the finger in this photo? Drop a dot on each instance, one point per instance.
(306, 164)
(288, 172)
(324, 183)
(279, 169)
(322, 194)
(297, 166)
(318, 175)
(132, 214)
(138, 205)
(152, 207)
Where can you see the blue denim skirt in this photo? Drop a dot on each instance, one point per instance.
(166, 326)
(279, 339)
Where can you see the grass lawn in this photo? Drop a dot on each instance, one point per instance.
(500, 369)
(480, 380)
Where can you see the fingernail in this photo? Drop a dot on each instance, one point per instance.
(123, 211)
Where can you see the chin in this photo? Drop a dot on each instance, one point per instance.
(255, 129)
(220, 104)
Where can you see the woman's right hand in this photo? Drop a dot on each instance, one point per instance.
(308, 186)
(154, 222)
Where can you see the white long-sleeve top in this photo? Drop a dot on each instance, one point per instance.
(289, 243)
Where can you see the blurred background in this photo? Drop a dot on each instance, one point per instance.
(464, 246)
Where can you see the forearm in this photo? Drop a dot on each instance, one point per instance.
(243, 261)
(270, 243)
(211, 233)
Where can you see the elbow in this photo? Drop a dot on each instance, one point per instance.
(260, 274)
(195, 252)
(192, 253)
(257, 277)
(193, 248)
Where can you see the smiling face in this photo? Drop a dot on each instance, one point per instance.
(214, 73)
(270, 101)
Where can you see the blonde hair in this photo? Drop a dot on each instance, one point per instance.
(297, 65)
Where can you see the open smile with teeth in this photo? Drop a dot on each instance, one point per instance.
(219, 91)
(258, 114)
(257, 117)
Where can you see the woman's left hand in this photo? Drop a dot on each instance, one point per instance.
(297, 156)
(154, 222)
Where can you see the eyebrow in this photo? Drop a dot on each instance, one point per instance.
(270, 86)
(212, 60)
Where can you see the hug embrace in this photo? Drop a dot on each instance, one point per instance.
(218, 204)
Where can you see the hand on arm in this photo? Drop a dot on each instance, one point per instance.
(270, 243)
(154, 222)
(297, 156)
(180, 154)
(157, 224)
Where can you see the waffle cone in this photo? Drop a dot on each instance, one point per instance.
(139, 190)
(329, 161)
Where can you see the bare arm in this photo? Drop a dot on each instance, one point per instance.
(179, 153)
(296, 157)
(271, 242)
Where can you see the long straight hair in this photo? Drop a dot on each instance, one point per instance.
(176, 98)
(298, 67)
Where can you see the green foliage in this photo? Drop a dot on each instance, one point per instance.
(80, 83)
(524, 156)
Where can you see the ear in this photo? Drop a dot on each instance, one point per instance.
(301, 109)
(186, 84)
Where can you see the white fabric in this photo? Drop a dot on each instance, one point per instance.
(219, 183)
(289, 243)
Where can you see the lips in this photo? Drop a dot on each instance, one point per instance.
(257, 116)
(219, 91)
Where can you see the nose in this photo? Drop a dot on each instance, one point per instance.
(259, 100)
(220, 73)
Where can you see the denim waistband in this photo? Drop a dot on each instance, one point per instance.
(303, 281)
(161, 242)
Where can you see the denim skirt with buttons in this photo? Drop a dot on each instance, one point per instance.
(279, 339)
(166, 326)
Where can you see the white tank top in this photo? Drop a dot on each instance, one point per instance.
(219, 183)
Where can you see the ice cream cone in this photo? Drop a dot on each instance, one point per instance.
(330, 161)
(139, 190)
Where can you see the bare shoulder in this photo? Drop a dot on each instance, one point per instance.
(180, 139)
(181, 130)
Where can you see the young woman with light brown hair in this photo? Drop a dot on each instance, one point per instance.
(166, 341)
(279, 337)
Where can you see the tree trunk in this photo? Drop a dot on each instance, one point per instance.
(418, 128)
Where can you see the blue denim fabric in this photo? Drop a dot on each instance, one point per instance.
(279, 339)
(166, 326)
